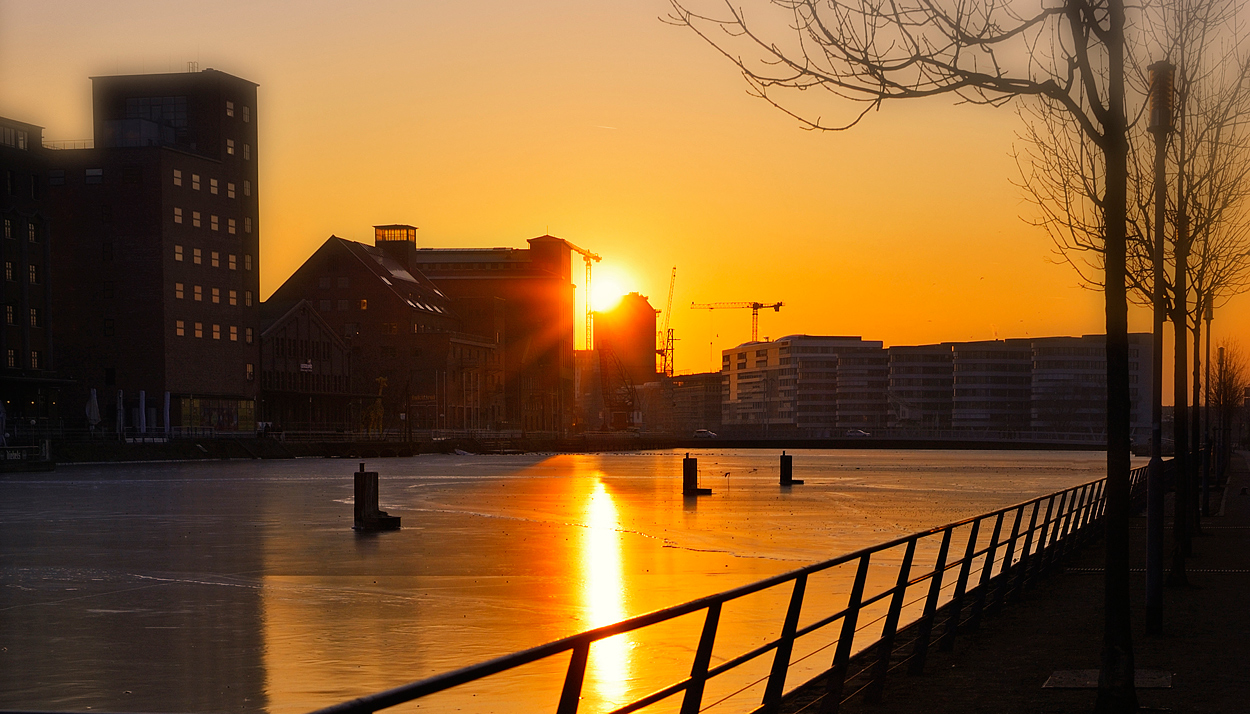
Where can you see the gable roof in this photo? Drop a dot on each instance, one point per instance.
(409, 286)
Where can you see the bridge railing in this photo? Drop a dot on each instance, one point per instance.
(969, 574)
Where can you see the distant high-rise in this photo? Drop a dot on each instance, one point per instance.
(156, 244)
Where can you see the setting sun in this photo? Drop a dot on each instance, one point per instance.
(608, 286)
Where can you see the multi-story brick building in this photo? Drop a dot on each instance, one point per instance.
(156, 244)
(28, 385)
(410, 354)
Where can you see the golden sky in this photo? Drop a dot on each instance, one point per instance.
(491, 122)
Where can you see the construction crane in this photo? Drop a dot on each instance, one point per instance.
(590, 258)
(664, 338)
(755, 312)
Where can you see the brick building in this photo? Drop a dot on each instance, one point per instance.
(156, 243)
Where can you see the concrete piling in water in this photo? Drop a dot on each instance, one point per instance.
(787, 470)
(367, 515)
(690, 478)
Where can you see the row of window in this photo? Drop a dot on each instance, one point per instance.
(36, 359)
(247, 149)
(197, 294)
(214, 258)
(215, 330)
(13, 138)
(214, 222)
(10, 274)
(246, 111)
(214, 187)
(32, 231)
(10, 316)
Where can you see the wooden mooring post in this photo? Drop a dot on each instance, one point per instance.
(787, 471)
(368, 517)
(690, 478)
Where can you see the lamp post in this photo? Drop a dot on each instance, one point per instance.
(1161, 78)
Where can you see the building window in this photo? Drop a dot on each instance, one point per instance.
(344, 282)
(36, 359)
(234, 333)
(180, 328)
(229, 190)
(230, 226)
(250, 371)
(56, 177)
(230, 147)
(247, 225)
(177, 177)
(247, 152)
(177, 214)
(216, 259)
(247, 188)
(109, 327)
(94, 176)
(212, 223)
(34, 317)
(178, 253)
(364, 304)
(212, 186)
(8, 270)
(199, 329)
(8, 315)
(216, 332)
(179, 293)
(247, 298)
(195, 182)
(32, 233)
(234, 298)
(247, 335)
(247, 113)
(8, 228)
(216, 296)
(324, 306)
(34, 274)
(196, 256)
(342, 305)
(198, 292)
(229, 108)
(12, 358)
(195, 219)
(232, 261)
(247, 262)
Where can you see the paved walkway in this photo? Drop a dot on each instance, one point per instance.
(1058, 626)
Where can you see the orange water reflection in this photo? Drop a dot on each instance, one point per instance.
(603, 596)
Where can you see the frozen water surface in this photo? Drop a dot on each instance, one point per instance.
(240, 586)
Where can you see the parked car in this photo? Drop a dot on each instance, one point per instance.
(704, 434)
(857, 432)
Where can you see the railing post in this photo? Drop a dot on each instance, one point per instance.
(781, 661)
(961, 586)
(842, 656)
(1054, 529)
(987, 571)
(924, 627)
(572, 693)
(702, 659)
(1026, 555)
(1071, 525)
(1004, 570)
(888, 630)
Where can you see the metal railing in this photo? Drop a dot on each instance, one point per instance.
(1026, 540)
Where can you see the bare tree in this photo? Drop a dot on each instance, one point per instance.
(1227, 393)
(1068, 55)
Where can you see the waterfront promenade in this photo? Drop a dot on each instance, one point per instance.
(1057, 626)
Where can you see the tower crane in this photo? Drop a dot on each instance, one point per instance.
(590, 258)
(664, 339)
(755, 312)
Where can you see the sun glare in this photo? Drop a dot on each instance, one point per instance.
(606, 292)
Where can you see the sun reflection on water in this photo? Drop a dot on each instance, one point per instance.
(604, 597)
